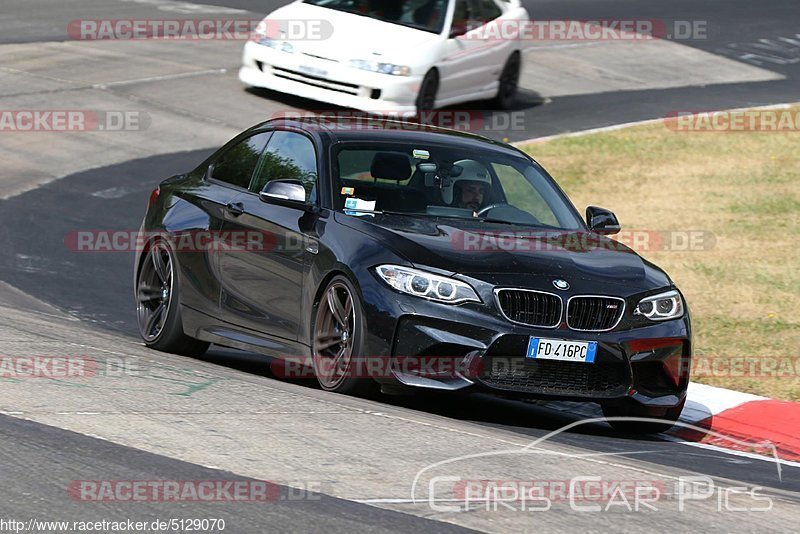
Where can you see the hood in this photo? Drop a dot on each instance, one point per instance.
(485, 250)
(347, 36)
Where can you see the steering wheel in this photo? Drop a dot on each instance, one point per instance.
(510, 214)
(489, 208)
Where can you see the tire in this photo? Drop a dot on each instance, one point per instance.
(508, 84)
(338, 338)
(428, 89)
(629, 409)
(158, 308)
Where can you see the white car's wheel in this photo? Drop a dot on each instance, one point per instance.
(509, 82)
(428, 89)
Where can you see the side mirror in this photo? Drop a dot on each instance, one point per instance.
(602, 221)
(288, 193)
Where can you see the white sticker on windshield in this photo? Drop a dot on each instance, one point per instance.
(351, 204)
(422, 154)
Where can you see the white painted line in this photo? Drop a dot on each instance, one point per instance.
(616, 127)
(159, 78)
(732, 452)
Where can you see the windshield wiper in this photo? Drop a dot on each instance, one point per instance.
(500, 221)
(410, 214)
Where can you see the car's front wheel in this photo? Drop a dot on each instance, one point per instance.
(158, 304)
(428, 89)
(631, 412)
(508, 84)
(338, 340)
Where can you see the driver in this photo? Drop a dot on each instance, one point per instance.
(472, 194)
(471, 188)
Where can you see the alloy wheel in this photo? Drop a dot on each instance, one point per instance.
(154, 289)
(334, 336)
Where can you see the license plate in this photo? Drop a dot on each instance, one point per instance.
(560, 349)
(313, 71)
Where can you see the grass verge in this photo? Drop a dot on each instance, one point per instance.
(742, 191)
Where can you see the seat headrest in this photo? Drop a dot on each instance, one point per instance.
(390, 166)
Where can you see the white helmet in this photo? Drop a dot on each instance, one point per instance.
(473, 172)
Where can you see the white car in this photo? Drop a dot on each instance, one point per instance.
(389, 56)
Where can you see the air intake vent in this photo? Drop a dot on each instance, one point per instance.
(532, 308)
(594, 314)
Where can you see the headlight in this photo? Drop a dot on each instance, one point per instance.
(261, 37)
(661, 307)
(382, 68)
(277, 45)
(426, 285)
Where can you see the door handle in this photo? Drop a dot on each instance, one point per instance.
(235, 208)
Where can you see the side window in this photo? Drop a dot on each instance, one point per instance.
(237, 164)
(471, 14)
(357, 165)
(521, 194)
(488, 10)
(462, 16)
(289, 156)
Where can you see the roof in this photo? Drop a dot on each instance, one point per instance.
(350, 127)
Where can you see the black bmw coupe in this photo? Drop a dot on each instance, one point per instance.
(383, 255)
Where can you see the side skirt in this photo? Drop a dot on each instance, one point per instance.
(207, 328)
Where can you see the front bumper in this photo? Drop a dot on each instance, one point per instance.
(328, 81)
(478, 349)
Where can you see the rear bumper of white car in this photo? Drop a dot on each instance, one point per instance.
(328, 81)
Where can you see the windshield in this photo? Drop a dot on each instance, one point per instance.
(445, 181)
(427, 15)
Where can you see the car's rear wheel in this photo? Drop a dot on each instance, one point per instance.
(509, 82)
(338, 340)
(632, 410)
(158, 304)
(428, 89)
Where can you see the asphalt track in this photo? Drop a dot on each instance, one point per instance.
(96, 287)
(43, 461)
(763, 34)
(44, 268)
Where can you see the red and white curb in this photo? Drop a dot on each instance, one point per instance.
(740, 421)
(719, 418)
